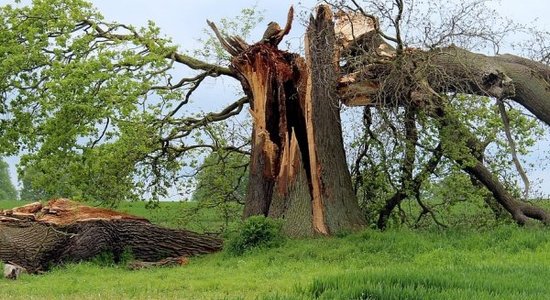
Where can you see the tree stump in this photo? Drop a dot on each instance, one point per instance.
(298, 169)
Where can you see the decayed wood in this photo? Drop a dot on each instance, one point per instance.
(37, 236)
(166, 262)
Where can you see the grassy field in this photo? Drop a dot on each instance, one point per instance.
(500, 263)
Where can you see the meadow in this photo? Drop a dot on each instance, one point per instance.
(502, 262)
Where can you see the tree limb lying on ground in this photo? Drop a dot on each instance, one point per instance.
(37, 236)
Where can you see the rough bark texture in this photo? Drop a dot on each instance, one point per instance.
(336, 203)
(444, 70)
(36, 236)
(298, 170)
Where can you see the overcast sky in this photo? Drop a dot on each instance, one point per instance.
(184, 21)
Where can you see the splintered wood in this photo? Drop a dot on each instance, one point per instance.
(298, 170)
(63, 212)
(348, 26)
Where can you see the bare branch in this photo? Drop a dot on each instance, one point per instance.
(102, 133)
(191, 62)
(234, 45)
(513, 151)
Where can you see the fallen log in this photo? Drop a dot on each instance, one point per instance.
(37, 236)
(167, 262)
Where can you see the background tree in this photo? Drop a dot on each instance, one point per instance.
(221, 183)
(7, 190)
(29, 192)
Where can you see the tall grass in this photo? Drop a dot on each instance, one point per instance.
(4, 204)
(505, 262)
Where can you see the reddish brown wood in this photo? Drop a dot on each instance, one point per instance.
(298, 170)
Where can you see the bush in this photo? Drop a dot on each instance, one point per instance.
(110, 259)
(256, 232)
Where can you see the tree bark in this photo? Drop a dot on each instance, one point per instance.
(520, 211)
(298, 170)
(36, 236)
(449, 69)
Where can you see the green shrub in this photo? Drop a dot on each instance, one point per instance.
(110, 259)
(256, 232)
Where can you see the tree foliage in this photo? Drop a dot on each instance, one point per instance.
(7, 190)
(220, 187)
(94, 105)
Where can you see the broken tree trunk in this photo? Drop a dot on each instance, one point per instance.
(36, 236)
(298, 170)
(378, 77)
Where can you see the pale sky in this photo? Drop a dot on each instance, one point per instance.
(184, 21)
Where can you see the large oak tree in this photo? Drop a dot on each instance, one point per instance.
(94, 105)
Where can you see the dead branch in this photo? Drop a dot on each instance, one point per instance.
(513, 151)
(288, 26)
(232, 44)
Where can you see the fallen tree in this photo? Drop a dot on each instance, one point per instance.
(298, 168)
(36, 236)
(377, 74)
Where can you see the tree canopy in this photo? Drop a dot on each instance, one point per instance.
(91, 104)
(7, 190)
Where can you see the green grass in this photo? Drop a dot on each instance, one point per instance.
(12, 203)
(500, 263)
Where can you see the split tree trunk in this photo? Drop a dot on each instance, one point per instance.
(36, 237)
(298, 170)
